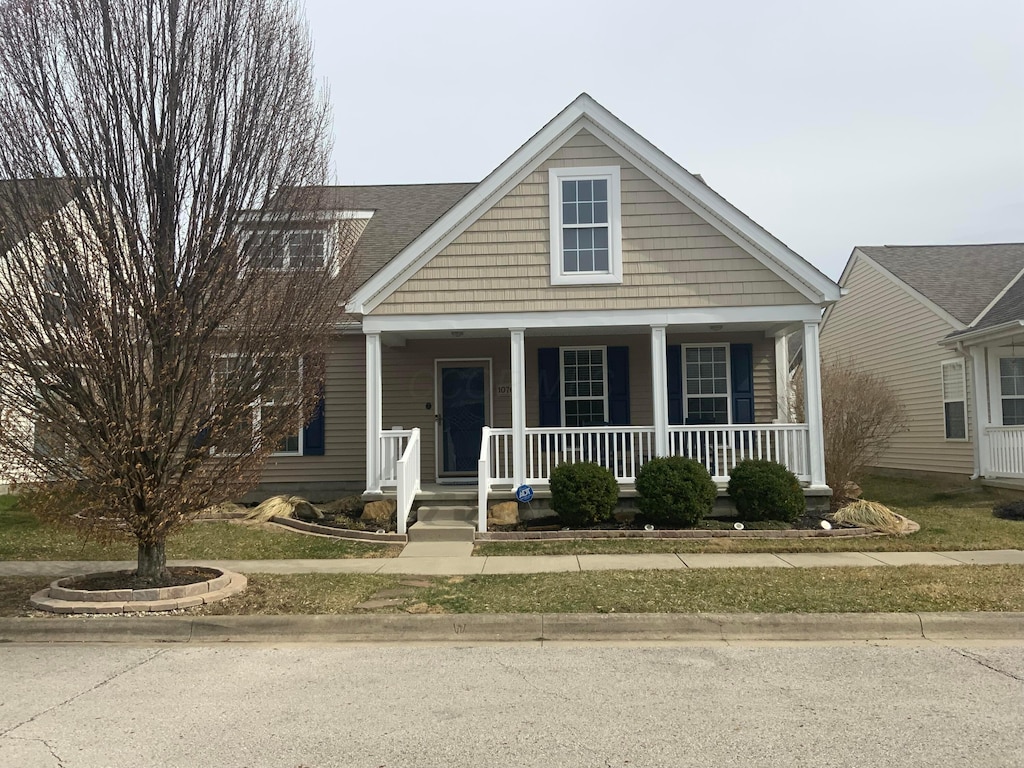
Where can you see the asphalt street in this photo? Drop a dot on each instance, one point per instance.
(911, 703)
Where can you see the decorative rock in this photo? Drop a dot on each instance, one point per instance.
(379, 511)
(370, 605)
(853, 491)
(350, 505)
(226, 510)
(503, 513)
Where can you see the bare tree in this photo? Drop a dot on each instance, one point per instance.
(167, 298)
(861, 412)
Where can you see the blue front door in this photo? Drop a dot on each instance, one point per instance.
(462, 417)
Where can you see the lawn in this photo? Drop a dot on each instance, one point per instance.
(24, 537)
(953, 516)
(732, 590)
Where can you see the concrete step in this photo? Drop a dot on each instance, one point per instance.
(441, 530)
(438, 549)
(440, 513)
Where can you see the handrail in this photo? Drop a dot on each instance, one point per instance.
(484, 478)
(408, 478)
(391, 446)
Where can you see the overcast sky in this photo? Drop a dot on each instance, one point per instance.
(830, 124)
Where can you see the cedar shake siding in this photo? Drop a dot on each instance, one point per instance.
(671, 256)
(883, 329)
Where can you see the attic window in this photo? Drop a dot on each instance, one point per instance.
(585, 214)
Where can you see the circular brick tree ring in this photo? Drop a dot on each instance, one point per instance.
(61, 597)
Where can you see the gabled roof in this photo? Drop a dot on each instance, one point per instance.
(964, 280)
(25, 204)
(586, 113)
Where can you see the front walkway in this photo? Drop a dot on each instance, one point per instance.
(466, 565)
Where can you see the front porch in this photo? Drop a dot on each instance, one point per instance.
(489, 410)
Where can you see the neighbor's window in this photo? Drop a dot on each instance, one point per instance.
(585, 228)
(584, 387)
(954, 399)
(706, 376)
(1011, 384)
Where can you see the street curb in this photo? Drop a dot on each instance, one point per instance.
(565, 627)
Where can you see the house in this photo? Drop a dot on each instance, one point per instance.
(945, 326)
(588, 300)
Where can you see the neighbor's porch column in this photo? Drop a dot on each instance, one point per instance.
(518, 407)
(782, 385)
(812, 403)
(374, 415)
(979, 387)
(659, 389)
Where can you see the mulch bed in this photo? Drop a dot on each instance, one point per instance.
(180, 576)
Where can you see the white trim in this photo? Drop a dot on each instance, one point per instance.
(488, 367)
(659, 385)
(517, 344)
(782, 382)
(984, 335)
(982, 454)
(374, 411)
(585, 112)
(612, 175)
(812, 404)
(298, 217)
(996, 384)
(561, 377)
(963, 384)
(728, 376)
(603, 318)
(998, 296)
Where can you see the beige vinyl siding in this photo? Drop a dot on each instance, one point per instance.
(344, 459)
(671, 256)
(881, 328)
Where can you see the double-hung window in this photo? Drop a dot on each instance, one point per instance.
(954, 399)
(584, 387)
(1011, 387)
(295, 249)
(262, 410)
(585, 214)
(706, 378)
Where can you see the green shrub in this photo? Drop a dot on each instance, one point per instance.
(765, 490)
(1009, 510)
(583, 494)
(675, 491)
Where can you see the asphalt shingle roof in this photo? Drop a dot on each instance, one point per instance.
(962, 279)
(25, 204)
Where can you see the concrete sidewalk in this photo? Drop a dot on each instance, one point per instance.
(465, 565)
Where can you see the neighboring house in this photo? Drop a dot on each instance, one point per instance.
(937, 321)
(589, 300)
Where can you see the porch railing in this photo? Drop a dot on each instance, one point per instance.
(1006, 451)
(408, 478)
(392, 445)
(721, 447)
(624, 450)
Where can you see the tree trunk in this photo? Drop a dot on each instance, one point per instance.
(152, 566)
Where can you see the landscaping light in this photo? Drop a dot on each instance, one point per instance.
(648, 527)
(826, 525)
(738, 526)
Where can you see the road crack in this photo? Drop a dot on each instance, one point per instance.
(980, 660)
(80, 694)
(44, 742)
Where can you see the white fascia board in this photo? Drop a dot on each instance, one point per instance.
(498, 183)
(998, 296)
(299, 217)
(719, 212)
(908, 289)
(981, 335)
(597, 318)
(584, 112)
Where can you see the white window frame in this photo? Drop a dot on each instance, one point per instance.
(257, 410)
(561, 374)
(728, 378)
(328, 237)
(944, 366)
(998, 382)
(612, 175)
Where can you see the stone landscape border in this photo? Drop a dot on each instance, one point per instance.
(348, 534)
(59, 598)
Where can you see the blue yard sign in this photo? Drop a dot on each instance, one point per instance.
(524, 493)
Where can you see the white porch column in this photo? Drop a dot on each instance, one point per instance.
(782, 392)
(659, 390)
(812, 402)
(979, 394)
(518, 407)
(374, 412)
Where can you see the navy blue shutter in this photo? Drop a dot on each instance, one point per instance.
(742, 364)
(313, 441)
(674, 363)
(618, 386)
(201, 438)
(549, 367)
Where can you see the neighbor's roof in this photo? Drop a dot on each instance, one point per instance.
(961, 279)
(401, 212)
(25, 204)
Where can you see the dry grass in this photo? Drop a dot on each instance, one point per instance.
(870, 515)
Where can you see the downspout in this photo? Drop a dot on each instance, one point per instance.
(977, 427)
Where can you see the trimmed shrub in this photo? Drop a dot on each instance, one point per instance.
(675, 492)
(1009, 510)
(583, 494)
(765, 490)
